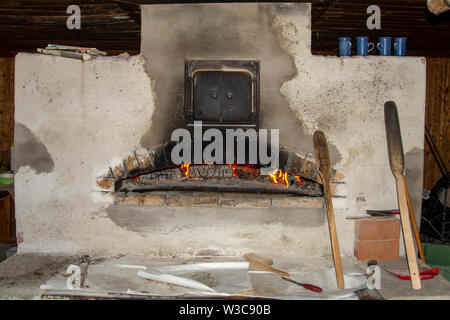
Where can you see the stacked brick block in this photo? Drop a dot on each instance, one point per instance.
(377, 239)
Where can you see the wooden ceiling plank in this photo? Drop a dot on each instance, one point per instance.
(319, 8)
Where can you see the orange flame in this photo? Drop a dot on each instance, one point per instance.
(273, 177)
(277, 176)
(185, 169)
(285, 179)
(233, 166)
(282, 176)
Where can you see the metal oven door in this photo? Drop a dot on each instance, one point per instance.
(222, 96)
(222, 93)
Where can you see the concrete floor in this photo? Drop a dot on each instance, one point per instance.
(392, 288)
(21, 275)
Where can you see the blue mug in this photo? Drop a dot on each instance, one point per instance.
(384, 46)
(363, 46)
(399, 46)
(345, 46)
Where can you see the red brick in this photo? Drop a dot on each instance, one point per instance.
(117, 169)
(296, 202)
(141, 199)
(244, 202)
(106, 184)
(119, 172)
(376, 249)
(131, 165)
(373, 229)
(143, 159)
(190, 201)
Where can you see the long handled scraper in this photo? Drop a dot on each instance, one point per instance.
(396, 161)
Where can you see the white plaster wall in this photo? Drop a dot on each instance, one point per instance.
(86, 113)
(344, 97)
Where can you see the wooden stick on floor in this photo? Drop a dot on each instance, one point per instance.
(324, 170)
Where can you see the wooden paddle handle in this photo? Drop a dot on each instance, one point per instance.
(324, 169)
(333, 233)
(406, 228)
(259, 266)
(414, 225)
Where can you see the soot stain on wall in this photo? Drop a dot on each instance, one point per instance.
(219, 31)
(131, 218)
(171, 34)
(29, 151)
(138, 218)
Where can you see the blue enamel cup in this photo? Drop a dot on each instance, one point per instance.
(363, 46)
(384, 46)
(400, 46)
(345, 46)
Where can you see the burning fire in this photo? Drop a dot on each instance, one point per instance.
(277, 176)
(280, 176)
(185, 169)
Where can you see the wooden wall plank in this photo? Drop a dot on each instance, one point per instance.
(428, 35)
(437, 117)
(6, 104)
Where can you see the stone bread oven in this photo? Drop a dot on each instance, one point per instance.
(80, 147)
(222, 95)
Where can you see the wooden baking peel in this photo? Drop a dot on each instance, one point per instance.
(324, 170)
(259, 262)
(414, 225)
(396, 161)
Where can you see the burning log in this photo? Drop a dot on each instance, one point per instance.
(211, 171)
(220, 178)
(158, 176)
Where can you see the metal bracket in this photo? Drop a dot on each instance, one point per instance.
(373, 277)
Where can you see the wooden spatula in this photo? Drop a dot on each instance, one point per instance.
(259, 262)
(324, 169)
(396, 161)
